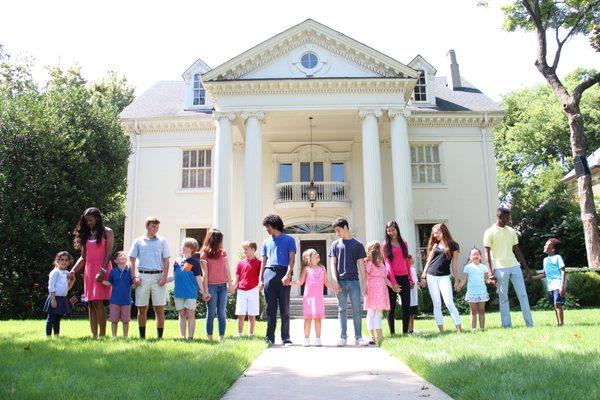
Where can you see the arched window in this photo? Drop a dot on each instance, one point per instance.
(309, 228)
(199, 93)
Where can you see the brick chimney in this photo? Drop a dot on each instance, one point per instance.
(455, 82)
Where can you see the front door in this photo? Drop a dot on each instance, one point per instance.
(321, 247)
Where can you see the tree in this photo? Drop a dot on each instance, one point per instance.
(533, 154)
(563, 20)
(62, 149)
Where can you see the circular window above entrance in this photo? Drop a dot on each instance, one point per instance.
(309, 228)
(309, 60)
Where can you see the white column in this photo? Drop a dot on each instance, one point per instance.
(132, 174)
(222, 189)
(372, 175)
(253, 177)
(402, 176)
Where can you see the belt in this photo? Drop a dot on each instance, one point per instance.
(150, 271)
(276, 267)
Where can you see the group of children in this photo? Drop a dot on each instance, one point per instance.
(190, 279)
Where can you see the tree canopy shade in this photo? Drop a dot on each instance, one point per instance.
(561, 20)
(62, 150)
(533, 155)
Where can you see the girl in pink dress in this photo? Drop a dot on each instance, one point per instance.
(314, 275)
(96, 241)
(377, 298)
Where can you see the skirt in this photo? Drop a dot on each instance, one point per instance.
(62, 306)
(477, 298)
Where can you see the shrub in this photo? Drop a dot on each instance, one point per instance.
(585, 286)
(571, 302)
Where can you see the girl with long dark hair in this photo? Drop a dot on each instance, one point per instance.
(396, 256)
(96, 242)
(442, 259)
(217, 282)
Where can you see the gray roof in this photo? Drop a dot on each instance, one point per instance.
(166, 99)
(163, 99)
(465, 98)
(593, 162)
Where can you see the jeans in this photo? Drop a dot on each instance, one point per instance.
(441, 287)
(53, 323)
(514, 275)
(352, 289)
(404, 283)
(216, 306)
(277, 294)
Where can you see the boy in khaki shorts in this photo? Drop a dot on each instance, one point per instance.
(152, 252)
(188, 282)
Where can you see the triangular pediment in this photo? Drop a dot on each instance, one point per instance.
(337, 55)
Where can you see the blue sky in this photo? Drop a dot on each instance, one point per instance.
(151, 41)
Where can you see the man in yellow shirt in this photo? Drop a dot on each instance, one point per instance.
(502, 248)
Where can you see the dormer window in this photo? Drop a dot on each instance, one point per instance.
(420, 93)
(199, 93)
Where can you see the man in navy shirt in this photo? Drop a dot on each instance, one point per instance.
(347, 256)
(279, 256)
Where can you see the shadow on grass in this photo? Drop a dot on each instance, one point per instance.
(68, 368)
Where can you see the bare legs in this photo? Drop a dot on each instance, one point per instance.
(560, 318)
(142, 317)
(97, 318)
(307, 324)
(251, 320)
(115, 327)
(187, 319)
(477, 312)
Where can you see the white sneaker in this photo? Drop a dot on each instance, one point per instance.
(318, 342)
(341, 343)
(361, 342)
(306, 342)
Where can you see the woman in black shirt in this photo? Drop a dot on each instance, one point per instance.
(442, 259)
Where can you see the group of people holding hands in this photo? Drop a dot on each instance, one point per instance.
(372, 279)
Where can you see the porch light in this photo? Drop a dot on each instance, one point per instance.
(312, 188)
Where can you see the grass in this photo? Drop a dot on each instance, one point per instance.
(74, 366)
(543, 362)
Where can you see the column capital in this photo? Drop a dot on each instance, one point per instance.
(375, 112)
(395, 112)
(217, 115)
(259, 115)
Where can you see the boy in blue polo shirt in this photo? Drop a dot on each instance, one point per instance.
(554, 272)
(120, 297)
(188, 282)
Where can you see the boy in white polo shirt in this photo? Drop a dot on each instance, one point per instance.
(502, 247)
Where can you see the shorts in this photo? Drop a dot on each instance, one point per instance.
(247, 302)
(477, 298)
(119, 313)
(414, 310)
(554, 298)
(188, 304)
(150, 288)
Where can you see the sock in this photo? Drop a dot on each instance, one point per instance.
(142, 332)
(159, 332)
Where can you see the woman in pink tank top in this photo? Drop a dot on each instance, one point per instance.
(96, 243)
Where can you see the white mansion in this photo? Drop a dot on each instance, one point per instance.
(226, 146)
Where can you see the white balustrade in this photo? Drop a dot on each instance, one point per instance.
(298, 192)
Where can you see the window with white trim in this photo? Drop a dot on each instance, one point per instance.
(420, 93)
(199, 93)
(426, 165)
(423, 233)
(196, 169)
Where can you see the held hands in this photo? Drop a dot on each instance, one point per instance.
(163, 281)
(423, 282)
(136, 282)
(261, 286)
(286, 280)
(206, 297)
(457, 287)
(562, 292)
(396, 288)
(335, 287)
(53, 303)
(100, 275)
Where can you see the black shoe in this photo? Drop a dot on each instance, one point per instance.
(269, 342)
(287, 342)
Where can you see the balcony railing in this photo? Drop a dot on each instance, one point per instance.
(298, 192)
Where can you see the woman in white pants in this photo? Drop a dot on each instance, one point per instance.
(442, 259)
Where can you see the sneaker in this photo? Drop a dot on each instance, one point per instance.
(318, 342)
(361, 342)
(372, 341)
(269, 342)
(287, 343)
(306, 342)
(341, 343)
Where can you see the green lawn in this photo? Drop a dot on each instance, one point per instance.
(544, 362)
(74, 366)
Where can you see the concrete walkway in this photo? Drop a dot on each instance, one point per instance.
(329, 372)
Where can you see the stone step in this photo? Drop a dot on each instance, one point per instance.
(331, 308)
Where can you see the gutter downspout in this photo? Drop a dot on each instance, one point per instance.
(486, 168)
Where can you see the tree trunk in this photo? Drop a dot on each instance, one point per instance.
(589, 217)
